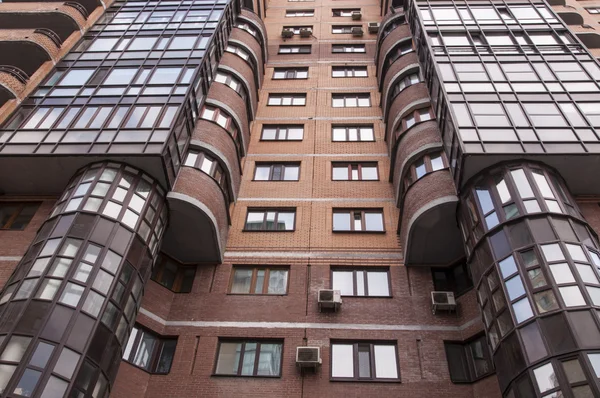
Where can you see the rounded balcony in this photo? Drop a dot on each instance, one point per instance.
(410, 98)
(244, 73)
(26, 49)
(392, 48)
(12, 83)
(251, 46)
(571, 17)
(259, 26)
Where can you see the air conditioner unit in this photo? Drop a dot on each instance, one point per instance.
(287, 33)
(356, 15)
(442, 301)
(373, 27)
(357, 31)
(330, 299)
(305, 32)
(308, 357)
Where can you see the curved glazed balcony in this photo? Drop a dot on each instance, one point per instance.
(12, 83)
(388, 24)
(26, 49)
(400, 34)
(400, 69)
(410, 98)
(60, 18)
(225, 98)
(199, 218)
(257, 22)
(250, 44)
(428, 229)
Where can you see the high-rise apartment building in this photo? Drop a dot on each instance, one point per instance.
(328, 198)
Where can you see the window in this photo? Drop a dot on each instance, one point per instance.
(243, 54)
(354, 171)
(468, 361)
(17, 215)
(349, 71)
(297, 29)
(270, 220)
(420, 115)
(452, 279)
(351, 100)
(338, 29)
(427, 164)
(305, 49)
(208, 164)
(409, 80)
(364, 361)
(249, 358)
(247, 27)
(286, 100)
(173, 275)
(224, 120)
(232, 82)
(290, 73)
(344, 12)
(399, 50)
(43, 118)
(544, 114)
(259, 280)
(300, 13)
(352, 133)
(274, 132)
(370, 282)
(593, 10)
(147, 351)
(348, 48)
(350, 220)
(277, 172)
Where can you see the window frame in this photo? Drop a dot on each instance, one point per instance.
(21, 206)
(290, 73)
(302, 49)
(352, 212)
(255, 270)
(156, 351)
(280, 127)
(349, 96)
(451, 279)
(366, 270)
(350, 166)
(272, 166)
(178, 280)
(283, 96)
(343, 29)
(466, 346)
(410, 175)
(348, 127)
(264, 210)
(355, 356)
(241, 359)
(343, 12)
(341, 48)
(292, 13)
(349, 71)
(416, 115)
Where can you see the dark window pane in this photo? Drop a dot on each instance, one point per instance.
(519, 235)
(585, 329)
(500, 244)
(557, 334)
(166, 356)
(28, 382)
(364, 362)
(533, 343)
(542, 232)
(41, 355)
(457, 363)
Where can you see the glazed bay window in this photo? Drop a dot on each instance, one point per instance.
(270, 220)
(173, 275)
(468, 361)
(249, 358)
(16, 215)
(349, 71)
(290, 73)
(276, 132)
(356, 361)
(359, 220)
(351, 100)
(352, 133)
(354, 171)
(369, 282)
(150, 352)
(286, 100)
(303, 49)
(348, 48)
(277, 172)
(259, 280)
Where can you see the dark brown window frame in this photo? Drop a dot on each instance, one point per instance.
(264, 210)
(280, 127)
(302, 49)
(156, 352)
(335, 268)
(272, 166)
(410, 176)
(349, 71)
(415, 114)
(370, 343)
(290, 73)
(340, 48)
(292, 96)
(348, 127)
(180, 274)
(347, 96)
(241, 360)
(22, 205)
(352, 213)
(466, 349)
(337, 12)
(255, 270)
(291, 13)
(350, 166)
(344, 29)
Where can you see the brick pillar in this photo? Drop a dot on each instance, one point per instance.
(69, 307)
(535, 263)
